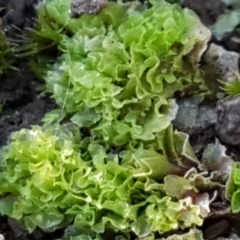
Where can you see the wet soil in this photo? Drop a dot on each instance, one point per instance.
(22, 105)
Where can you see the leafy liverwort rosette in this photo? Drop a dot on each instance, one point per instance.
(119, 69)
(47, 184)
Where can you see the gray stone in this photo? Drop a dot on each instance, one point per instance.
(228, 120)
(87, 7)
(192, 117)
(219, 64)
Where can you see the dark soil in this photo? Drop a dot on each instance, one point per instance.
(23, 105)
(19, 13)
(207, 10)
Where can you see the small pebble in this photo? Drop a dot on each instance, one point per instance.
(87, 7)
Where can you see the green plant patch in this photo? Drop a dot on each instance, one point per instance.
(52, 184)
(117, 165)
(233, 188)
(6, 57)
(231, 88)
(118, 70)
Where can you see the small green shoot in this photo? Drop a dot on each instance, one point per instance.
(231, 88)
